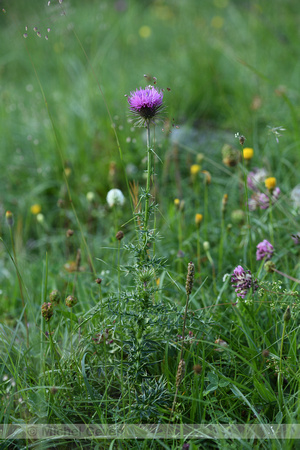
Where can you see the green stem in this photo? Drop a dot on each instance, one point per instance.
(148, 185)
(247, 213)
(199, 252)
(20, 283)
(221, 246)
(56, 354)
(205, 210)
(271, 228)
(280, 378)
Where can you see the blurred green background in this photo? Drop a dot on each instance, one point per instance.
(230, 65)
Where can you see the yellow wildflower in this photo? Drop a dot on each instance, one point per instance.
(177, 202)
(145, 31)
(270, 183)
(195, 168)
(198, 219)
(248, 153)
(35, 209)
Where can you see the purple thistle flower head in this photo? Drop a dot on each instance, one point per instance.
(243, 282)
(146, 103)
(264, 250)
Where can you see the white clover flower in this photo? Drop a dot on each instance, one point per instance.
(295, 196)
(115, 197)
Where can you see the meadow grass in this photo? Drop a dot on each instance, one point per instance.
(67, 138)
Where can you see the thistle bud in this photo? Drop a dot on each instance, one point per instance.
(180, 372)
(9, 218)
(190, 278)
(47, 311)
(287, 315)
(55, 297)
(71, 301)
(230, 155)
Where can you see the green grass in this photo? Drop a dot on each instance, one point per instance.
(232, 66)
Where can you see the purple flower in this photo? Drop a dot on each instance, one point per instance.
(296, 238)
(242, 281)
(264, 250)
(146, 103)
(255, 178)
(262, 200)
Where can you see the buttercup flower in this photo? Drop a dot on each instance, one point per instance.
(195, 168)
(248, 153)
(198, 219)
(35, 209)
(270, 183)
(242, 281)
(145, 103)
(115, 197)
(264, 250)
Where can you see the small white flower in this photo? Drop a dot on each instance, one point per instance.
(115, 197)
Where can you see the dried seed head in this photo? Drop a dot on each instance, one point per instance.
(69, 233)
(207, 176)
(180, 372)
(98, 280)
(47, 311)
(197, 369)
(55, 297)
(71, 301)
(242, 139)
(190, 278)
(287, 315)
(224, 203)
(119, 235)
(265, 353)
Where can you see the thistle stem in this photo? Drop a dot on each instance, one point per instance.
(148, 185)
